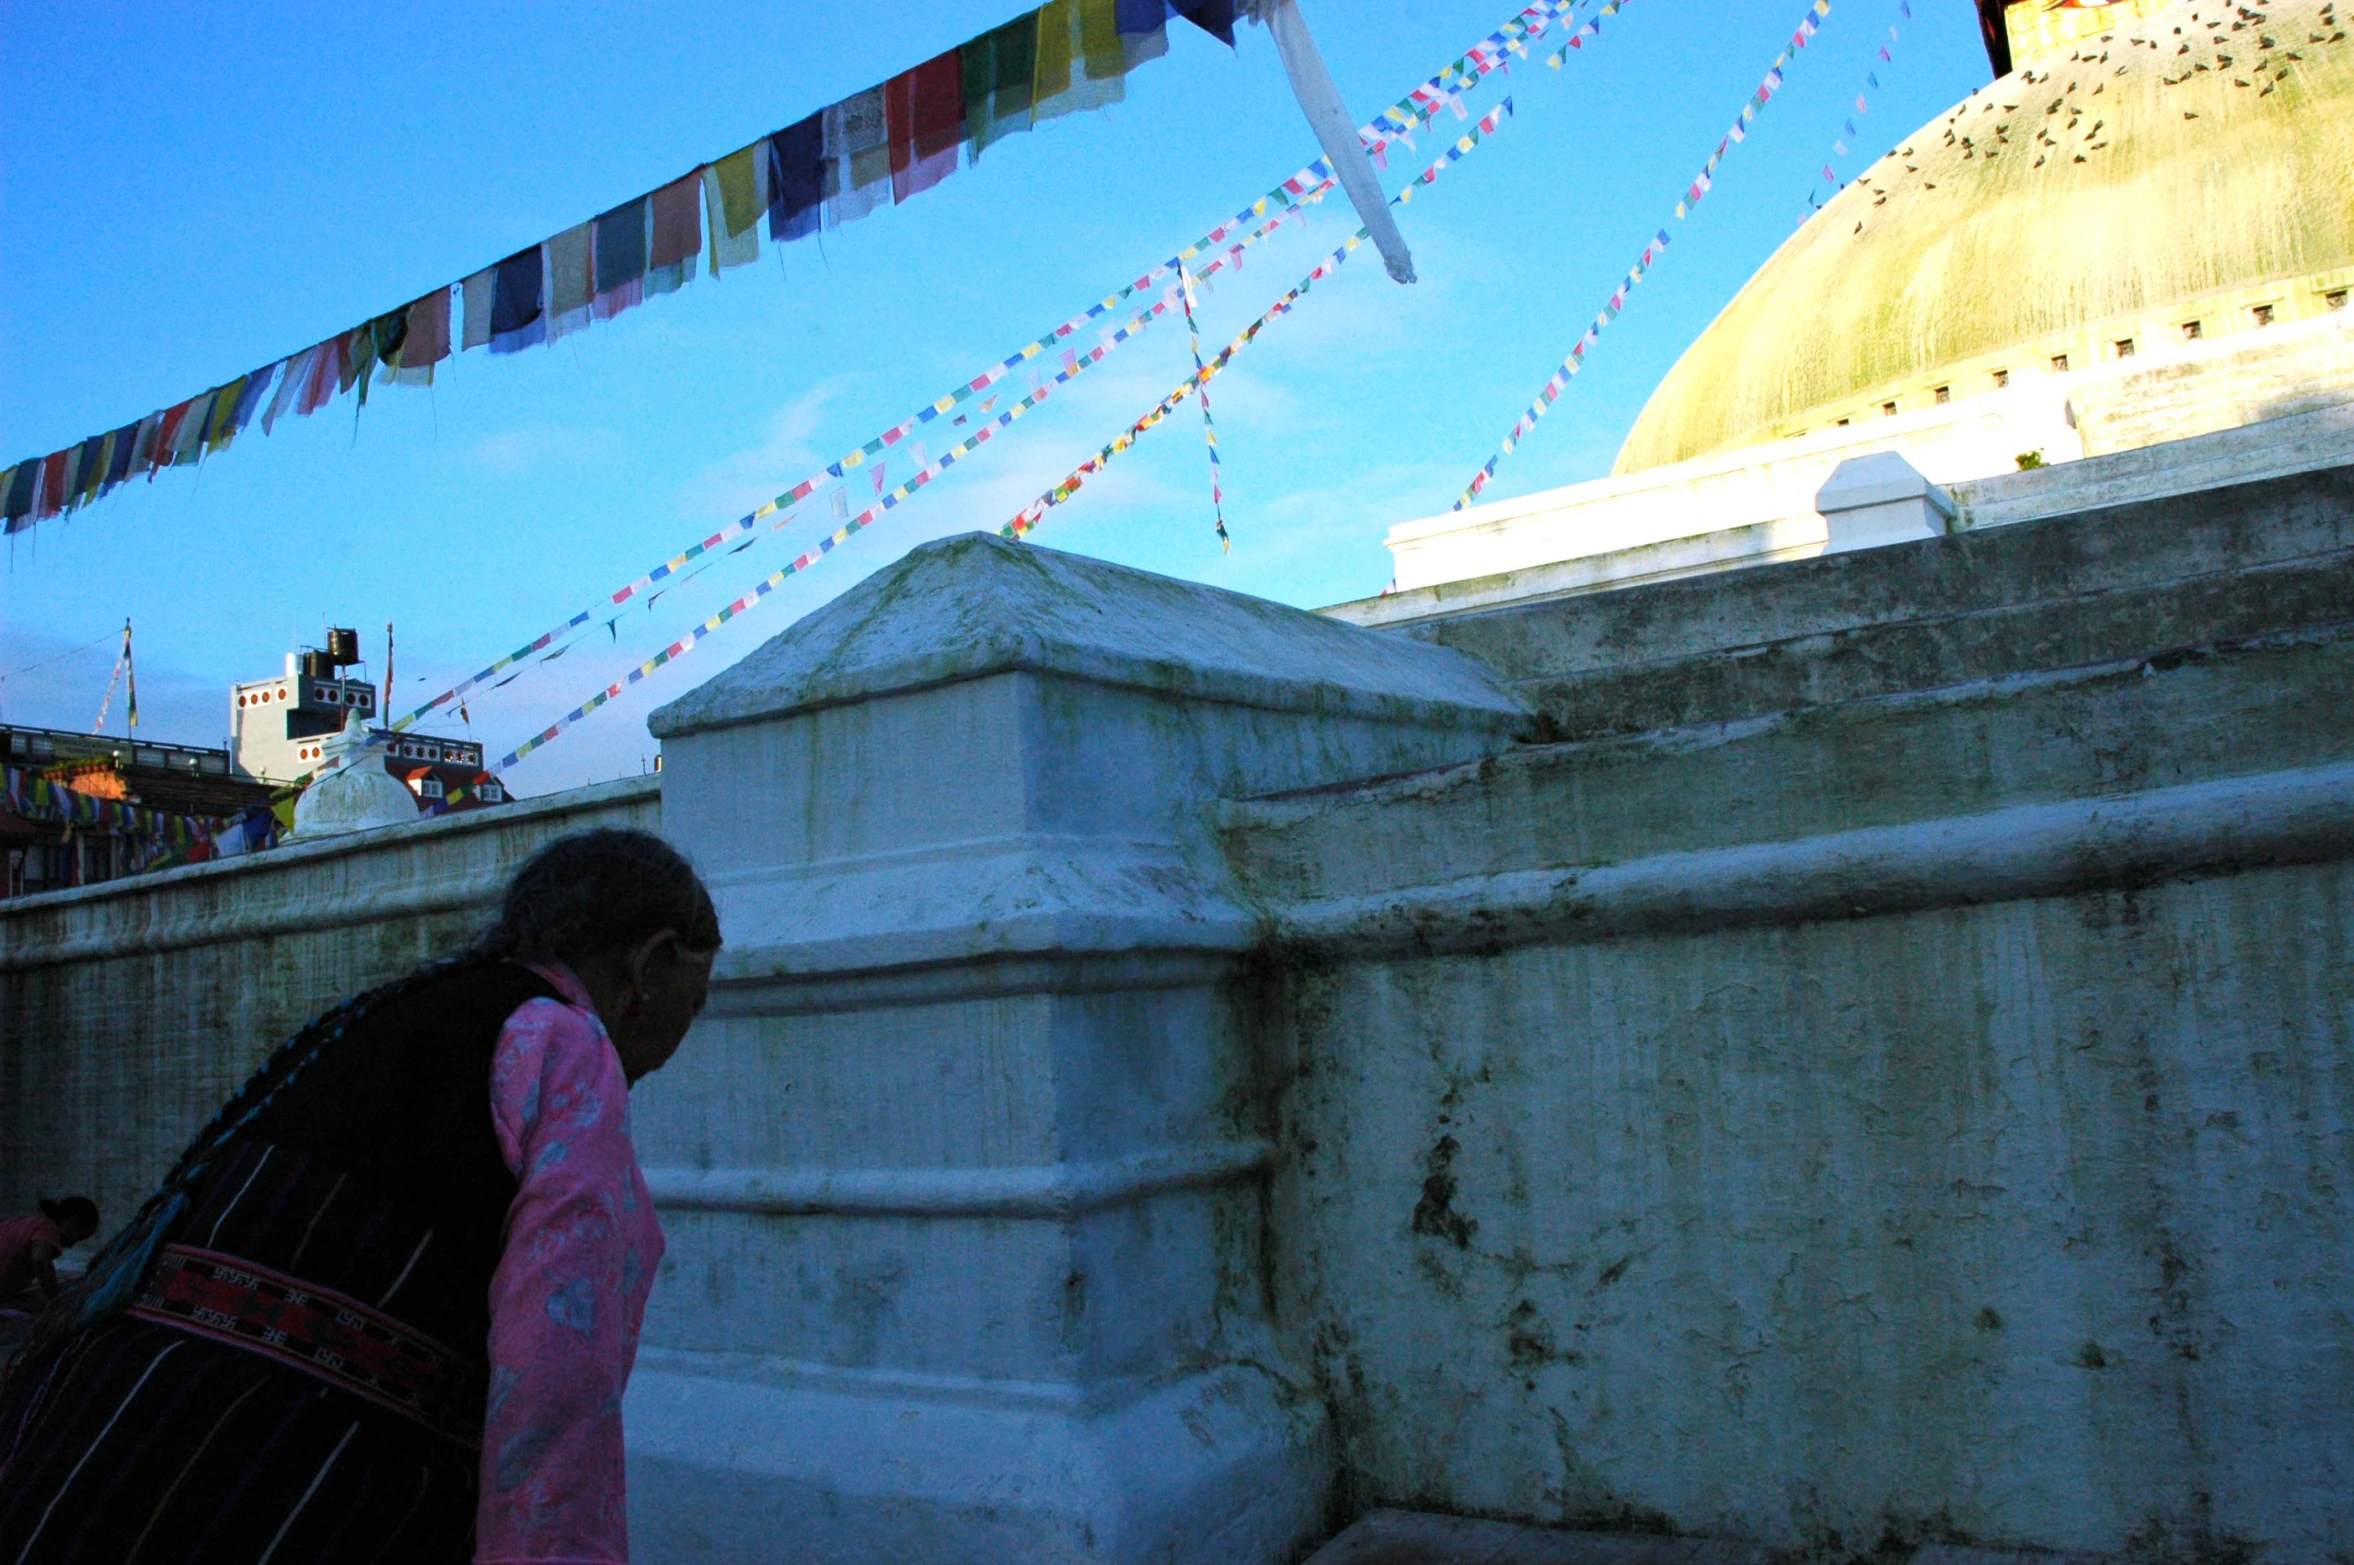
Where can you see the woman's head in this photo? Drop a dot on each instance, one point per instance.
(76, 1217)
(626, 913)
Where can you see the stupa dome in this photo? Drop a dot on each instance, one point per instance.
(357, 794)
(2187, 174)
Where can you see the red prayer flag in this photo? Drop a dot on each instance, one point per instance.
(167, 434)
(924, 109)
(52, 497)
(428, 339)
(321, 377)
(678, 221)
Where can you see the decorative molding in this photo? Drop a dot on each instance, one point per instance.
(1051, 1192)
(2038, 850)
(784, 991)
(922, 913)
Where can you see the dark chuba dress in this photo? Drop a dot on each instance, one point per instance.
(284, 1359)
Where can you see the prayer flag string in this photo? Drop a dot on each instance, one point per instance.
(1285, 199)
(1871, 84)
(875, 148)
(1443, 91)
(1577, 40)
(1551, 391)
(1308, 185)
(31, 796)
(687, 643)
(1209, 425)
(1030, 515)
(1076, 364)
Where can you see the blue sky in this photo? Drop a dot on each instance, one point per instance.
(187, 191)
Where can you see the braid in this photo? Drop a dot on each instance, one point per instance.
(287, 1061)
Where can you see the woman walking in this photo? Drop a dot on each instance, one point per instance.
(385, 1305)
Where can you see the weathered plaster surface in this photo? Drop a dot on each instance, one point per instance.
(1894, 1084)
(2019, 1224)
(964, 1171)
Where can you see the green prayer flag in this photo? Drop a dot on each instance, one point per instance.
(1000, 71)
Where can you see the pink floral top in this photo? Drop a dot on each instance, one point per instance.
(570, 1291)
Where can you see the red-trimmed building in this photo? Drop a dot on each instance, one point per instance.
(278, 731)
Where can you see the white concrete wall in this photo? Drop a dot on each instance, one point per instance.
(1184, 1070)
(963, 1174)
(2293, 442)
(1755, 504)
(1924, 1117)
(1766, 491)
(2024, 1224)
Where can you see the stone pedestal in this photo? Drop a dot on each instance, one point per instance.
(962, 1172)
(1881, 498)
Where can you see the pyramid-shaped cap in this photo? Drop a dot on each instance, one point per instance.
(976, 604)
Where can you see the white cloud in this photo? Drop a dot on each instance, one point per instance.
(541, 448)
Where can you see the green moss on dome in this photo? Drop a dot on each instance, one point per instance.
(2158, 183)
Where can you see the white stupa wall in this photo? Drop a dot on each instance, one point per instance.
(1756, 503)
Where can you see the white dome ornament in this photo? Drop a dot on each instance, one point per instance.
(353, 791)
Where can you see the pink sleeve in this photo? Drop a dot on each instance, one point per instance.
(568, 1296)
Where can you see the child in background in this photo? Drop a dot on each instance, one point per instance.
(30, 1246)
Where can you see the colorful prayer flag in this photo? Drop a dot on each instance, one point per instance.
(478, 291)
(16, 493)
(858, 150)
(734, 199)
(517, 310)
(620, 276)
(427, 341)
(925, 109)
(999, 73)
(675, 234)
(796, 178)
(572, 278)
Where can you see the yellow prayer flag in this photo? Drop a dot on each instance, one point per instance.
(731, 194)
(1099, 40)
(1056, 31)
(1080, 63)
